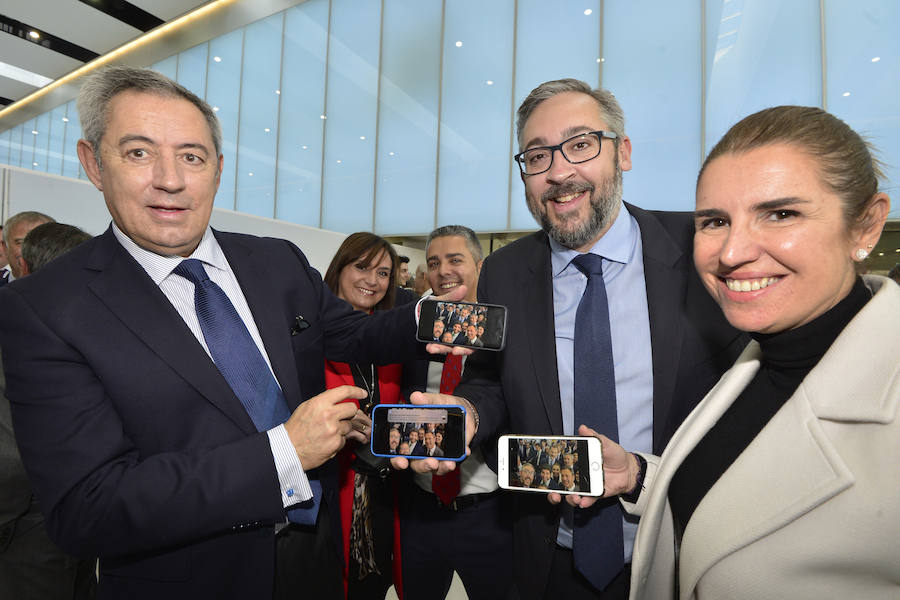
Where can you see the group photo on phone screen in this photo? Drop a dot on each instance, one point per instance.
(549, 464)
(463, 324)
(418, 432)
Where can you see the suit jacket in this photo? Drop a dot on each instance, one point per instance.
(139, 451)
(518, 390)
(811, 508)
(15, 491)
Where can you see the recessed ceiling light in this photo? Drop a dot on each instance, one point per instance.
(459, 44)
(250, 173)
(304, 147)
(362, 137)
(489, 82)
(35, 164)
(391, 153)
(339, 161)
(876, 59)
(34, 35)
(65, 119)
(845, 94)
(217, 58)
(267, 130)
(278, 92)
(34, 131)
(322, 117)
(587, 12)
(215, 109)
(32, 79)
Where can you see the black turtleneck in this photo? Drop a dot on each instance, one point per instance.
(787, 357)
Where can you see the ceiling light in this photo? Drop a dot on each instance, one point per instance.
(322, 117)
(65, 119)
(34, 35)
(391, 153)
(459, 44)
(34, 131)
(215, 109)
(339, 161)
(35, 164)
(587, 12)
(362, 137)
(489, 82)
(23, 76)
(304, 147)
(267, 130)
(278, 92)
(217, 58)
(250, 173)
(845, 94)
(876, 59)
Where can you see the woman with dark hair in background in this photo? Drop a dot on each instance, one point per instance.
(363, 272)
(783, 481)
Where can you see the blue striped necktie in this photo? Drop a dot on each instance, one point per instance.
(598, 540)
(239, 360)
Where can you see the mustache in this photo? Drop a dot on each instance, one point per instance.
(573, 187)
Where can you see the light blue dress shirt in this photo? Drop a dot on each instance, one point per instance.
(623, 274)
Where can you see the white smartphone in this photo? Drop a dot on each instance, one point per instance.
(550, 463)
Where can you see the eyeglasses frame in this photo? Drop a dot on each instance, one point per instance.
(552, 149)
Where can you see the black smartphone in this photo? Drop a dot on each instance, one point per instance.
(419, 431)
(468, 324)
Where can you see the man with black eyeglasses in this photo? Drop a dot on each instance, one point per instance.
(608, 327)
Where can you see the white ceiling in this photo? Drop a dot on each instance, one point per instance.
(73, 21)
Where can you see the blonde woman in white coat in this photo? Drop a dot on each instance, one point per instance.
(783, 482)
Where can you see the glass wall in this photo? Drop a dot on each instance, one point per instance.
(397, 116)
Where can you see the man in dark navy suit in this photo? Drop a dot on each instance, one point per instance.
(145, 450)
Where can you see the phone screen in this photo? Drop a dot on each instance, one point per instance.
(549, 464)
(419, 431)
(467, 324)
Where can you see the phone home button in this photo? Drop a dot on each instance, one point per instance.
(595, 466)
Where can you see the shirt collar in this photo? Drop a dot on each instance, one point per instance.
(159, 267)
(616, 245)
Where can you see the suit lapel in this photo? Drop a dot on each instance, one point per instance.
(537, 287)
(665, 284)
(129, 293)
(256, 277)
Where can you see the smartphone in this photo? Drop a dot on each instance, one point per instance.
(562, 464)
(397, 429)
(466, 324)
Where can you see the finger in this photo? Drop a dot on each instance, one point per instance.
(587, 431)
(423, 398)
(424, 465)
(445, 466)
(342, 393)
(357, 436)
(554, 498)
(400, 463)
(573, 500)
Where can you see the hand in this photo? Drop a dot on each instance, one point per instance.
(319, 427)
(433, 465)
(360, 428)
(620, 472)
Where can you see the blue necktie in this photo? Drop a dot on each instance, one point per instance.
(239, 360)
(597, 543)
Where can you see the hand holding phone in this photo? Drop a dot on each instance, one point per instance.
(419, 432)
(466, 324)
(550, 464)
(430, 464)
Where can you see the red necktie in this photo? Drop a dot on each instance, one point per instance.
(447, 486)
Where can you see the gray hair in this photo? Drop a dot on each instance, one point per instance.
(28, 216)
(102, 86)
(48, 241)
(610, 109)
(462, 231)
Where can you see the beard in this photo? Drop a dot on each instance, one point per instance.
(571, 230)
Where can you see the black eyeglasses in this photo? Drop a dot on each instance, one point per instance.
(577, 149)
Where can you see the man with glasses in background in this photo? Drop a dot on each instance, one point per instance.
(654, 345)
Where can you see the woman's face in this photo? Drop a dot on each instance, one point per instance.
(364, 285)
(771, 245)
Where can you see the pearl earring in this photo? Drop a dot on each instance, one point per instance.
(861, 254)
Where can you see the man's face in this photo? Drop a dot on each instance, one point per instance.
(429, 440)
(450, 264)
(160, 171)
(567, 460)
(554, 452)
(457, 327)
(404, 448)
(413, 436)
(17, 235)
(471, 332)
(555, 471)
(567, 478)
(394, 439)
(526, 476)
(403, 274)
(545, 475)
(437, 329)
(575, 204)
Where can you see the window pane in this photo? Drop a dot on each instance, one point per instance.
(407, 119)
(299, 185)
(258, 134)
(543, 54)
(864, 77)
(4, 146)
(760, 53)
(192, 69)
(71, 165)
(29, 135)
(349, 167)
(57, 134)
(15, 145)
(473, 178)
(41, 141)
(658, 86)
(223, 86)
